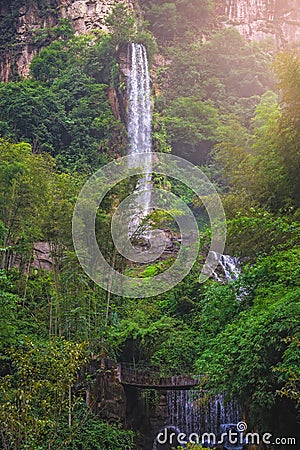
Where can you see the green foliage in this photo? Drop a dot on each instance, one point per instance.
(102, 436)
(225, 69)
(287, 68)
(122, 24)
(217, 306)
(125, 28)
(160, 134)
(262, 169)
(241, 358)
(191, 126)
(33, 112)
(208, 85)
(169, 20)
(50, 62)
(164, 20)
(146, 38)
(289, 370)
(250, 166)
(8, 321)
(177, 352)
(151, 337)
(212, 87)
(258, 233)
(36, 205)
(36, 396)
(65, 110)
(23, 184)
(92, 434)
(64, 31)
(36, 202)
(39, 403)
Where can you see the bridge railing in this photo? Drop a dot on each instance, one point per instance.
(151, 376)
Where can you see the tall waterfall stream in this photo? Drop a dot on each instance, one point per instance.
(140, 127)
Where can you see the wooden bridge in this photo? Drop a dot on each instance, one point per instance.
(149, 378)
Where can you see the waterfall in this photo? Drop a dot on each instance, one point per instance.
(140, 126)
(229, 268)
(188, 415)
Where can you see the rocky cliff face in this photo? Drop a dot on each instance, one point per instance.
(260, 19)
(21, 19)
(87, 15)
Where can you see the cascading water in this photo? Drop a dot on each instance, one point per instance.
(140, 127)
(230, 268)
(187, 415)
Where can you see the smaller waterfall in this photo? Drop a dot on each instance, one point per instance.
(230, 268)
(188, 415)
(140, 126)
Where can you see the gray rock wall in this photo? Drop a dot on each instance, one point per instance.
(261, 19)
(20, 19)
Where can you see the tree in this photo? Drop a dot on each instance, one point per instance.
(8, 316)
(50, 62)
(64, 111)
(248, 162)
(122, 24)
(34, 113)
(24, 187)
(191, 126)
(287, 68)
(289, 370)
(164, 21)
(246, 358)
(38, 394)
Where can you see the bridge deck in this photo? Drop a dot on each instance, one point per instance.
(150, 379)
(161, 387)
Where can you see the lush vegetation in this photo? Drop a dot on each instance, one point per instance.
(64, 108)
(56, 128)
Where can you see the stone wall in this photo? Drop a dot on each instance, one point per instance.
(105, 395)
